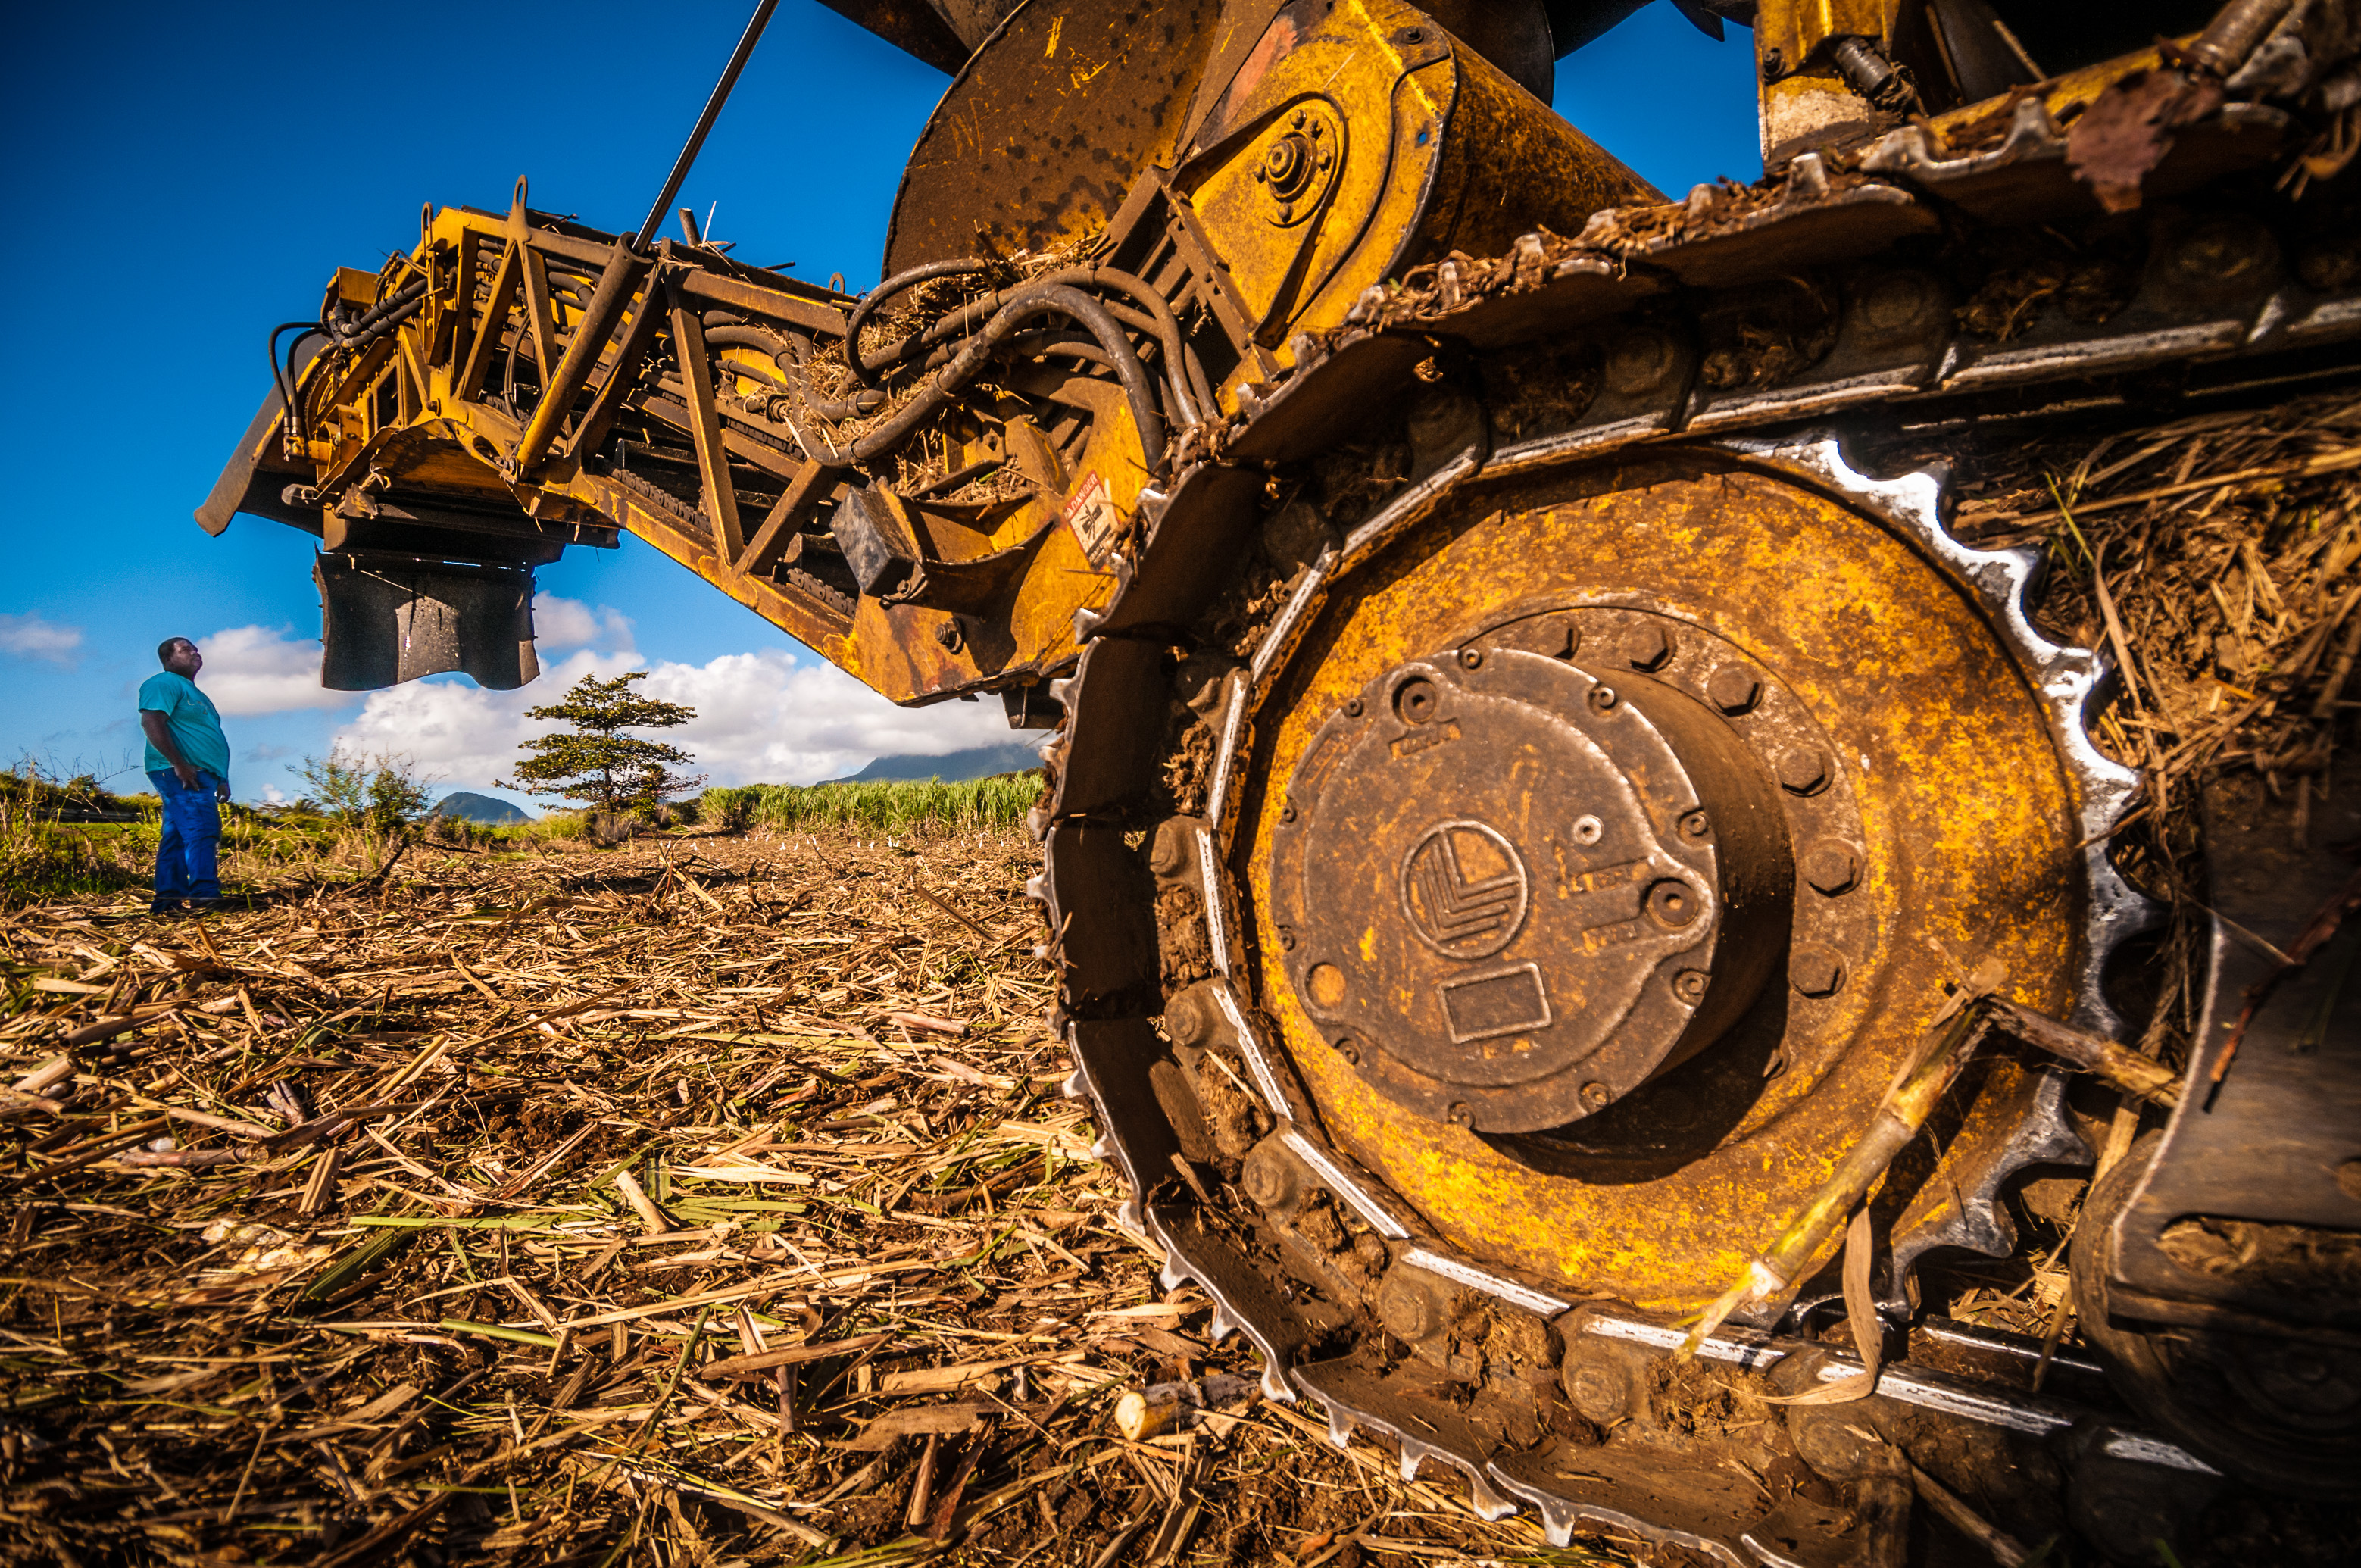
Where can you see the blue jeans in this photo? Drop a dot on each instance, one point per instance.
(186, 853)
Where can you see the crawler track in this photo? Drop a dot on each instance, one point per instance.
(1599, 364)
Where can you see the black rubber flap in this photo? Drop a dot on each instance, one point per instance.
(383, 622)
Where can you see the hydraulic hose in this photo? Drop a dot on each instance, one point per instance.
(1036, 299)
(388, 313)
(393, 312)
(885, 291)
(1154, 315)
(283, 376)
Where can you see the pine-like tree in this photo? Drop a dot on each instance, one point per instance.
(593, 761)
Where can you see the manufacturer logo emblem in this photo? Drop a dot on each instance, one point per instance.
(1465, 890)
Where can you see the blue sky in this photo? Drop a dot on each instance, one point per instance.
(185, 177)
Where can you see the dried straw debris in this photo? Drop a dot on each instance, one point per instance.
(694, 1203)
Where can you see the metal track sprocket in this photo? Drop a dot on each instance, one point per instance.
(1934, 802)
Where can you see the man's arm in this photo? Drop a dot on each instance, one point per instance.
(159, 735)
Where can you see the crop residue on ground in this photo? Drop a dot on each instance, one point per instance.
(706, 1200)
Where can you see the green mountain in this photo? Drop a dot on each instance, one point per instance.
(952, 767)
(469, 806)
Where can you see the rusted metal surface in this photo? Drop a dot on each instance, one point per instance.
(1511, 890)
(1040, 138)
(1682, 539)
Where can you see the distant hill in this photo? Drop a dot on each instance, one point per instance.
(469, 806)
(951, 767)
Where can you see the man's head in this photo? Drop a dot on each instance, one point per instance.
(180, 655)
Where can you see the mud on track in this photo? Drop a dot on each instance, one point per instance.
(435, 1223)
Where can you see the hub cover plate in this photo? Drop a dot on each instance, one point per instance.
(1528, 890)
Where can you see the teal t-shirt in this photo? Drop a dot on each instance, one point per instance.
(196, 727)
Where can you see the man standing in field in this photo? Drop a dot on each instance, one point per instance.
(188, 759)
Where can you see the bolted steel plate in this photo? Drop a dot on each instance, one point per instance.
(1528, 889)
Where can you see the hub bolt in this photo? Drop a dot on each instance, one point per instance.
(1696, 827)
(1816, 971)
(1803, 771)
(1673, 904)
(1588, 831)
(1596, 1096)
(1174, 846)
(1458, 1115)
(1647, 646)
(1352, 707)
(1733, 689)
(1638, 363)
(1689, 985)
(1603, 698)
(1471, 658)
(1412, 1305)
(1350, 1050)
(1417, 700)
(1831, 869)
(1598, 1391)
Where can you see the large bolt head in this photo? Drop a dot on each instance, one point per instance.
(1896, 302)
(1831, 868)
(1639, 362)
(1174, 847)
(1594, 1386)
(1734, 689)
(1647, 646)
(1814, 970)
(1803, 771)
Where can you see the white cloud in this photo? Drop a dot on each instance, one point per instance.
(254, 669)
(29, 637)
(761, 718)
(561, 623)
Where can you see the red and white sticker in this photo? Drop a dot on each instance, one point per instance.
(1094, 520)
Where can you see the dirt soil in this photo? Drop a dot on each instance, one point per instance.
(702, 1201)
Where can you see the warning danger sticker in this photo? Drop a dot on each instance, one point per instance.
(1094, 519)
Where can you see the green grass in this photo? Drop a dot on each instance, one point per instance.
(885, 806)
(43, 860)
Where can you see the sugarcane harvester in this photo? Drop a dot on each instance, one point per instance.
(1559, 875)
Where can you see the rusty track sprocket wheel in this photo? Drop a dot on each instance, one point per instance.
(1608, 840)
(1557, 888)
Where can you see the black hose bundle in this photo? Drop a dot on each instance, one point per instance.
(388, 313)
(956, 345)
(1023, 304)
